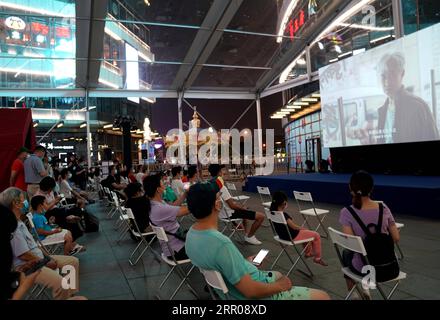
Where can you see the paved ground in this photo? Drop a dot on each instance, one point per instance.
(106, 273)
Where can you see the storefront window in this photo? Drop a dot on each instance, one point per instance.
(419, 14)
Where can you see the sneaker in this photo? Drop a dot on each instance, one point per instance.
(252, 240)
(78, 248)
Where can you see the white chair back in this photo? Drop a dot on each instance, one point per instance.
(215, 280)
(231, 186)
(264, 191)
(224, 212)
(160, 233)
(276, 217)
(303, 196)
(349, 242)
(30, 219)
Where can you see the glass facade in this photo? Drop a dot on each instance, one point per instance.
(419, 14)
(303, 141)
(37, 45)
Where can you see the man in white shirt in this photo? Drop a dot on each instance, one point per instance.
(235, 210)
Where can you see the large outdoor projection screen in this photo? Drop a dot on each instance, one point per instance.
(389, 94)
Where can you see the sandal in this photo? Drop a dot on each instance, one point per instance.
(321, 262)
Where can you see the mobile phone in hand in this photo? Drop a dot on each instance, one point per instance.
(260, 257)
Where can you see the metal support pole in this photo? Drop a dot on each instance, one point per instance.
(89, 134)
(180, 99)
(398, 18)
(179, 109)
(259, 127)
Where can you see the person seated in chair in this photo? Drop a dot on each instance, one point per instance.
(237, 211)
(65, 218)
(139, 205)
(49, 233)
(71, 195)
(297, 233)
(243, 279)
(310, 166)
(26, 251)
(165, 216)
(361, 185)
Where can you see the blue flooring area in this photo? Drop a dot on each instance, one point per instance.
(409, 195)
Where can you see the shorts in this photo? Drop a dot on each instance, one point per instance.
(57, 237)
(295, 293)
(243, 214)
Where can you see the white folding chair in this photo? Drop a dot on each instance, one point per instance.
(399, 226)
(278, 217)
(233, 173)
(214, 279)
(174, 264)
(234, 224)
(319, 214)
(355, 244)
(240, 198)
(51, 246)
(265, 196)
(138, 234)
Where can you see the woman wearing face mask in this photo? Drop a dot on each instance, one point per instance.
(279, 203)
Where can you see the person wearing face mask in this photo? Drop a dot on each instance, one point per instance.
(279, 203)
(34, 170)
(26, 251)
(242, 278)
(165, 215)
(45, 231)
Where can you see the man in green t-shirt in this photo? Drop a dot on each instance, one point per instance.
(211, 250)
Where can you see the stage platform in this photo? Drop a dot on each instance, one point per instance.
(409, 195)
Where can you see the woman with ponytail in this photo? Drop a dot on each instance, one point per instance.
(361, 186)
(279, 203)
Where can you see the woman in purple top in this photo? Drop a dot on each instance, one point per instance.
(361, 186)
(164, 215)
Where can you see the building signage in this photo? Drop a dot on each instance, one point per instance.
(295, 24)
(50, 146)
(15, 23)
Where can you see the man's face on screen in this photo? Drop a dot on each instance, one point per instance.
(391, 77)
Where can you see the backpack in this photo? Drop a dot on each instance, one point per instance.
(91, 222)
(379, 247)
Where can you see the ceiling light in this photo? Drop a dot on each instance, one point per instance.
(316, 95)
(35, 124)
(83, 125)
(298, 103)
(293, 107)
(320, 45)
(60, 124)
(108, 126)
(310, 99)
(338, 49)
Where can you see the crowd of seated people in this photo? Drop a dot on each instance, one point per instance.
(161, 199)
(41, 187)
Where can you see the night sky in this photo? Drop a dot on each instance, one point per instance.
(220, 113)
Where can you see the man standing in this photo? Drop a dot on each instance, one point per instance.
(17, 170)
(34, 170)
(403, 117)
